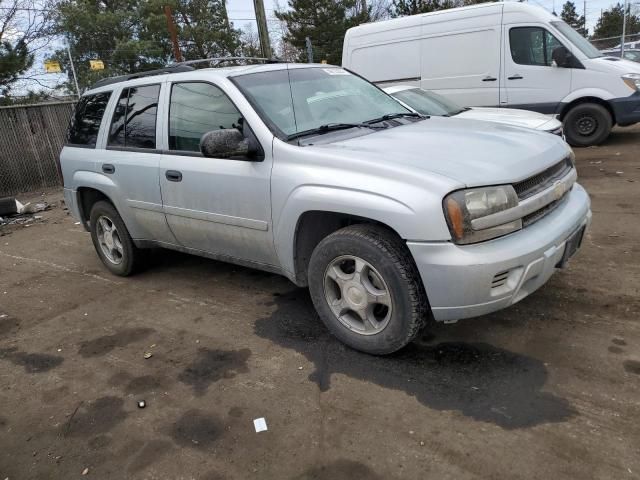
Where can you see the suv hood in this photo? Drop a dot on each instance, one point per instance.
(470, 152)
(512, 116)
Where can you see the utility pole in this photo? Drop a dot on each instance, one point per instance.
(624, 29)
(584, 18)
(307, 40)
(73, 71)
(173, 33)
(263, 32)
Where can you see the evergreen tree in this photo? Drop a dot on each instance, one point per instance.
(23, 30)
(324, 22)
(403, 8)
(570, 16)
(14, 61)
(610, 25)
(131, 35)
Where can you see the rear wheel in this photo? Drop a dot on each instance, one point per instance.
(587, 124)
(367, 289)
(112, 241)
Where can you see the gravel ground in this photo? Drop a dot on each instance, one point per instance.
(547, 389)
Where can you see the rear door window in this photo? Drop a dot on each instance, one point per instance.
(134, 120)
(85, 123)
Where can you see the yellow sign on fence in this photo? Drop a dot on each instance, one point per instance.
(52, 66)
(96, 64)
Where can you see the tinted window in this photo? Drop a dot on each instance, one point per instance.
(134, 119)
(532, 46)
(86, 119)
(198, 108)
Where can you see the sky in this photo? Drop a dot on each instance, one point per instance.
(241, 13)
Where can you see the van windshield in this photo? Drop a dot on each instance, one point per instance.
(428, 103)
(578, 40)
(297, 100)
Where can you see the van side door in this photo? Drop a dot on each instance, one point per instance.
(531, 79)
(463, 65)
(214, 205)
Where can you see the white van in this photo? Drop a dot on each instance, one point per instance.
(507, 54)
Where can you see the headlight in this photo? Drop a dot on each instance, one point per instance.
(632, 80)
(463, 206)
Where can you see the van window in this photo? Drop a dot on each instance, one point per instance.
(134, 119)
(532, 46)
(86, 119)
(197, 108)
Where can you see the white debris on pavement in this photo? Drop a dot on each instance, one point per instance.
(260, 424)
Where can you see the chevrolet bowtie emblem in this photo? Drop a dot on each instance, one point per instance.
(558, 190)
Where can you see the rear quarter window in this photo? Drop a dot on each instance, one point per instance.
(86, 119)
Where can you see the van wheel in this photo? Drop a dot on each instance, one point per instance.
(367, 289)
(587, 124)
(112, 241)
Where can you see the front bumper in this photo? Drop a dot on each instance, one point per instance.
(464, 281)
(626, 109)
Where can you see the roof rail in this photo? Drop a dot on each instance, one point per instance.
(175, 68)
(178, 67)
(228, 59)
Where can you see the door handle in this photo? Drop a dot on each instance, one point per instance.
(489, 79)
(173, 175)
(108, 168)
(517, 76)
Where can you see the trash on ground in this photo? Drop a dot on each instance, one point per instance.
(148, 355)
(142, 404)
(12, 212)
(85, 471)
(260, 424)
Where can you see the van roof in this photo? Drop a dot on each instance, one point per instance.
(415, 20)
(186, 74)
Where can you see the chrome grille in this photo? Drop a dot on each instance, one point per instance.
(543, 180)
(547, 209)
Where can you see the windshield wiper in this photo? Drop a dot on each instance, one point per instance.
(330, 127)
(391, 116)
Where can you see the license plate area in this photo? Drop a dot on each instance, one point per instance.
(571, 246)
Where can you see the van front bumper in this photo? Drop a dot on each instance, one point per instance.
(464, 281)
(626, 109)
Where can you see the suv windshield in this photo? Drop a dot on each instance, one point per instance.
(578, 40)
(296, 100)
(428, 103)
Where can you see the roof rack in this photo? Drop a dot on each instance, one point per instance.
(228, 59)
(179, 67)
(175, 68)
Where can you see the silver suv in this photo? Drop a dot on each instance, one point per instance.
(389, 217)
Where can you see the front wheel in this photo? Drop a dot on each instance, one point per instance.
(367, 289)
(587, 124)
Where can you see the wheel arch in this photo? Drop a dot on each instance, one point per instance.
(587, 99)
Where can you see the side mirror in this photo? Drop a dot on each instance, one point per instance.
(225, 143)
(562, 57)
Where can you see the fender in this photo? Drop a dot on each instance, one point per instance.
(587, 92)
(305, 198)
(103, 184)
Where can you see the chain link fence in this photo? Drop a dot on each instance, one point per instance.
(31, 139)
(630, 41)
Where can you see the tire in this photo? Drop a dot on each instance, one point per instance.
(130, 258)
(385, 266)
(587, 124)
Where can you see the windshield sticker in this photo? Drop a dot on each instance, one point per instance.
(336, 71)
